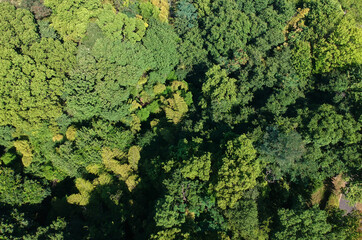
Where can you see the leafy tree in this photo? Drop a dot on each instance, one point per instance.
(243, 222)
(239, 170)
(17, 225)
(15, 190)
(222, 95)
(37, 69)
(70, 18)
(164, 52)
(185, 205)
(223, 21)
(353, 192)
(282, 152)
(18, 29)
(308, 224)
(186, 16)
(341, 48)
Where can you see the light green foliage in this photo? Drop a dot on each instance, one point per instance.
(354, 8)
(323, 16)
(32, 77)
(309, 224)
(198, 167)
(105, 78)
(148, 10)
(328, 127)
(341, 48)
(70, 17)
(353, 192)
(223, 95)
(161, 41)
(219, 86)
(119, 26)
(17, 27)
(302, 59)
(238, 173)
(17, 191)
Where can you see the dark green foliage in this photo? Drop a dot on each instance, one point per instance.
(283, 152)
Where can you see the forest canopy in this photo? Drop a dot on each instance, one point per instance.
(180, 119)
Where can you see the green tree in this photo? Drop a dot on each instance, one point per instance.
(308, 224)
(243, 222)
(282, 152)
(70, 18)
(15, 190)
(37, 70)
(239, 170)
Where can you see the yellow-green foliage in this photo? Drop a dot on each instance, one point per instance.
(176, 108)
(57, 138)
(164, 9)
(159, 88)
(318, 195)
(23, 146)
(93, 168)
(199, 167)
(333, 201)
(85, 188)
(126, 171)
(301, 14)
(135, 123)
(133, 157)
(170, 234)
(119, 25)
(179, 85)
(71, 133)
(109, 161)
(103, 179)
(134, 106)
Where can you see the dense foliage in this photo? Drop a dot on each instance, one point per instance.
(181, 119)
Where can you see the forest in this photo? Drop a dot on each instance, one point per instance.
(180, 119)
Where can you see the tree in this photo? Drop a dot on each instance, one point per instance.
(282, 152)
(70, 18)
(308, 224)
(36, 68)
(225, 28)
(223, 95)
(239, 170)
(18, 29)
(17, 191)
(341, 48)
